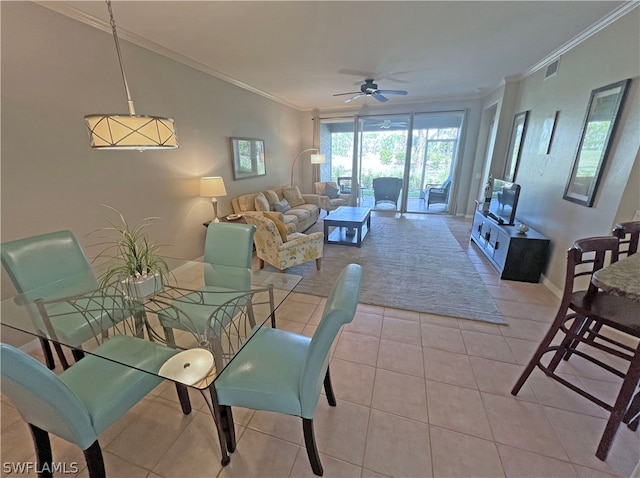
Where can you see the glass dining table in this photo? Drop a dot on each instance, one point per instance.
(204, 314)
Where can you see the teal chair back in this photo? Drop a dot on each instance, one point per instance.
(43, 399)
(339, 310)
(229, 244)
(228, 250)
(51, 265)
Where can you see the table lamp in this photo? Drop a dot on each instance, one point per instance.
(211, 187)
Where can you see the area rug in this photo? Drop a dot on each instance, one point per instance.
(410, 264)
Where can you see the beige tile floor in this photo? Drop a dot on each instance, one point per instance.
(419, 395)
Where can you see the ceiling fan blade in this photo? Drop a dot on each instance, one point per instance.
(393, 92)
(350, 93)
(379, 97)
(355, 97)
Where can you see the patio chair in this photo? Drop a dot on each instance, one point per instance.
(344, 184)
(386, 190)
(438, 194)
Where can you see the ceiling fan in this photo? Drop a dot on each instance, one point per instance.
(387, 124)
(369, 88)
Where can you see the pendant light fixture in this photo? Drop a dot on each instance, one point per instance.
(129, 132)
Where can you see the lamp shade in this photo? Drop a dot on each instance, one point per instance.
(212, 186)
(131, 132)
(318, 159)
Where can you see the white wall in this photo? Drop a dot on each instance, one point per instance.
(613, 54)
(56, 70)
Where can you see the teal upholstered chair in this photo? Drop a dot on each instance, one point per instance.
(53, 266)
(283, 372)
(81, 402)
(227, 252)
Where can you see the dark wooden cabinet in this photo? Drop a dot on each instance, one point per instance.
(517, 256)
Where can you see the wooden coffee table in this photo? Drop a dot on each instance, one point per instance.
(350, 224)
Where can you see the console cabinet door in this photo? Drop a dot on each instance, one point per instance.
(500, 247)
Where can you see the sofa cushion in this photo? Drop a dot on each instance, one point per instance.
(281, 206)
(331, 191)
(271, 196)
(293, 196)
(302, 215)
(261, 203)
(249, 202)
(282, 229)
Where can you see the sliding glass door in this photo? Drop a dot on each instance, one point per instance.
(381, 153)
(434, 149)
(418, 149)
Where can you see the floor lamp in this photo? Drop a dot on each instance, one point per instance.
(317, 158)
(211, 187)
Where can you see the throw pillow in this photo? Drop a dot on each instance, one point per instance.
(282, 229)
(293, 196)
(261, 203)
(282, 206)
(275, 216)
(331, 191)
(271, 196)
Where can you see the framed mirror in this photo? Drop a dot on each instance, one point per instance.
(601, 120)
(247, 156)
(515, 146)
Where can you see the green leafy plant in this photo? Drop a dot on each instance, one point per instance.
(129, 252)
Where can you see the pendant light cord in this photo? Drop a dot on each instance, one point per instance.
(132, 110)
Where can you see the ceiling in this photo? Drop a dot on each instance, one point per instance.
(302, 53)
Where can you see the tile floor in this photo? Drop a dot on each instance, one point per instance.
(419, 395)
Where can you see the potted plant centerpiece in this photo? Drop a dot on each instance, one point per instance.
(134, 262)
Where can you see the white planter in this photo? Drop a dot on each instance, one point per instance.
(143, 287)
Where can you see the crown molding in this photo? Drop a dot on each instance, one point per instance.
(588, 33)
(76, 14)
(131, 37)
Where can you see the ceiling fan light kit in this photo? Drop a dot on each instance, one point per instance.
(369, 88)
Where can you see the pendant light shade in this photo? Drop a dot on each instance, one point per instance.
(131, 132)
(127, 132)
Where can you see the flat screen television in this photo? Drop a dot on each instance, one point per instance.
(504, 202)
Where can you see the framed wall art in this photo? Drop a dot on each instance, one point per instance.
(247, 156)
(546, 137)
(601, 120)
(515, 146)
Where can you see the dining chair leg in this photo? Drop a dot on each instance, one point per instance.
(625, 396)
(328, 388)
(61, 356)
(95, 462)
(540, 351)
(632, 418)
(77, 354)
(48, 354)
(43, 451)
(183, 396)
(310, 444)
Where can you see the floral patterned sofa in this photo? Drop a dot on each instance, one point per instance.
(276, 246)
(301, 211)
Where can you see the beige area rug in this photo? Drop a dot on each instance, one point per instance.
(411, 264)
